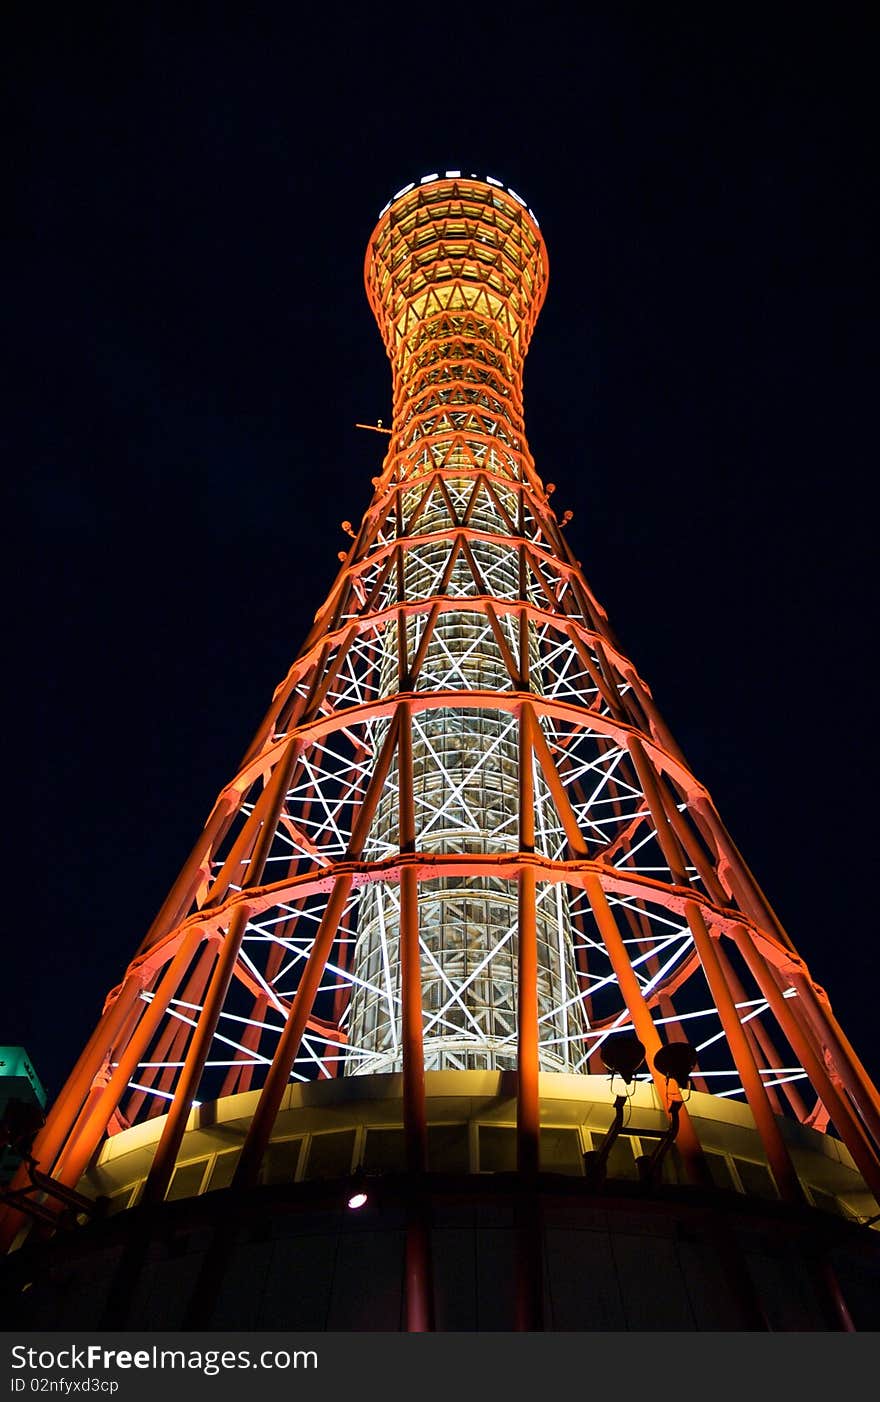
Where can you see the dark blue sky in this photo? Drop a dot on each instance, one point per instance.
(188, 202)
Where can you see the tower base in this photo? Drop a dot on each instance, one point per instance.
(493, 1253)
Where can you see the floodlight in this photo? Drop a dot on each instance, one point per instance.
(623, 1054)
(676, 1061)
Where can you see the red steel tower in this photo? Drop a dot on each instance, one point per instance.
(462, 877)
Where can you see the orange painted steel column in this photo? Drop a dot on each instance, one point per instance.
(825, 1028)
(754, 903)
(170, 1043)
(182, 893)
(415, 665)
(658, 727)
(760, 1039)
(690, 841)
(85, 1135)
(527, 1101)
(669, 845)
(414, 1119)
(278, 1077)
(249, 852)
(529, 1285)
(850, 1129)
(643, 1023)
(286, 1052)
(168, 1147)
(70, 1100)
(419, 1270)
(775, 1148)
(275, 793)
(75, 1091)
(402, 651)
(523, 641)
(564, 809)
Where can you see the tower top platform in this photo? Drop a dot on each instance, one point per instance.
(458, 175)
(456, 254)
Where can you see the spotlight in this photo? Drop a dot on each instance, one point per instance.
(676, 1061)
(623, 1054)
(357, 1192)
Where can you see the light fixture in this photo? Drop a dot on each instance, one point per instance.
(676, 1061)
(358, 1196)
(623, 1054)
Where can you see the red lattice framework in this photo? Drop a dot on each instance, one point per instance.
(463, 836)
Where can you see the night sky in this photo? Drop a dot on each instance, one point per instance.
(189, 198)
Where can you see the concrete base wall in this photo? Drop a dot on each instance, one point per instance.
(297, 1258)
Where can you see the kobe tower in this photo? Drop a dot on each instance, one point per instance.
(465, 1012)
